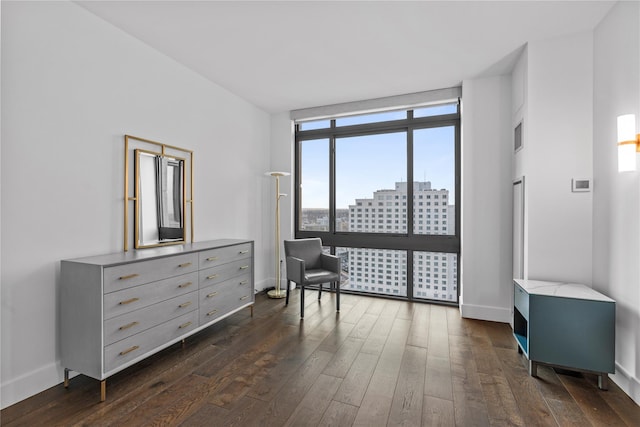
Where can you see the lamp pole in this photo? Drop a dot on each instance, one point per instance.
(277, 293)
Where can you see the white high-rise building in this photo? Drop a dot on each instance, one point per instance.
(384, 271)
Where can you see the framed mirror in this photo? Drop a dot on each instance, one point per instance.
(160, 190)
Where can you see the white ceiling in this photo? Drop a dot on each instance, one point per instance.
(285, 55)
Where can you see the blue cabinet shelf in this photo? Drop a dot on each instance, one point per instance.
(565, 325)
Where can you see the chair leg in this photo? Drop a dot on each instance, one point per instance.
(286, 302)
(337, 296)
(319, 291)
(302, 301)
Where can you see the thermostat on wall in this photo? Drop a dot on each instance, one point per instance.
(578, 185)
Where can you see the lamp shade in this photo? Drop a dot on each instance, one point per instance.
(626, 128)
(277, 173)
(627, 143)
(626, 158)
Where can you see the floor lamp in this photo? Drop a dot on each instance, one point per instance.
(277, 292)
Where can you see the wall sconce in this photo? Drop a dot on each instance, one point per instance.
(628, 143)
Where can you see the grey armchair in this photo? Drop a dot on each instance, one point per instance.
(308, 265)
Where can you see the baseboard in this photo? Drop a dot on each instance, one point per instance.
(263, 284)
(27, 385)
(627, 382)
(484, 312)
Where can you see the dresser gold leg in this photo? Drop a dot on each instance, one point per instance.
(251, 311)
(66, 378)
(103, 390)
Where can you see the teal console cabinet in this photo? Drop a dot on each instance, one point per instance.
(566, 325)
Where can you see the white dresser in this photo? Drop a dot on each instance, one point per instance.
(118, 309)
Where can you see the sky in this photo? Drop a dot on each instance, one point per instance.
(368, 163)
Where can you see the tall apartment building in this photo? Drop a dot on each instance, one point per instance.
(384, 271)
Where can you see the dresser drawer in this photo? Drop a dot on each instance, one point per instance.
(218, 256)
(138, 273)
(224, 272)
(521, 301)
(224, 297)
(128, 300)
(124, 326)
(136, 345)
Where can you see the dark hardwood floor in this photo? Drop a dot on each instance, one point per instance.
(379, 362)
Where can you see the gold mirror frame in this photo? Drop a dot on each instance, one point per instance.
(168, 151)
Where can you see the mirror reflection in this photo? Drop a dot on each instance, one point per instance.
(160, 199)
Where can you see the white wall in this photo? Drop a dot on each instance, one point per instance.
(616, 197)
(282, 159)
(557, 148)
(72, 86)
(486, 271)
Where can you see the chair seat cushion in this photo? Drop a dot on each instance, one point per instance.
(314, 277)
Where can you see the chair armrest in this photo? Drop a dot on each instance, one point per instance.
(330, 262)
(295, 270)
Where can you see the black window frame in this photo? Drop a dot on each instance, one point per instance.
(409, 241)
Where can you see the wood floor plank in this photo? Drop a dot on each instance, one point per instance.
(268, 387)
(624, 406)
(550, 385)
(406, 406)
(230, 395)
(338, 414)
(343, 358)
(531, 404)
(129, 389)
(470, 407)
(567, 413)
(419, 332)
(364, 326)
(308, 339)
(438, 344)
(484, 356)
(437, 412)
(204, 415)
(379, 362)
(500, 335)
(295, 389)
(357, 380)
(359, 308)
(377, 339)
(590, 401)
(501, 405)
(187, 392)
(339, 334)
(438, 382)
(378, 398)
(311, 409)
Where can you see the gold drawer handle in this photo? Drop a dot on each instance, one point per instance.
(212, 258)
(244, 267)
(211, 313)
(213, 276)
(244, 297)
(244, 252)
(184, 325)
(129, 301)
(185, 285)
(186, 304)
(244, 282)
(130, 325)
(212, 294)
(129, 276)
(186, 264)
(129, 350)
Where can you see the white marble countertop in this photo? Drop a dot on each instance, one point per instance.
(561, 289)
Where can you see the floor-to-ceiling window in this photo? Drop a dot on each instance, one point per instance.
(382, 190)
